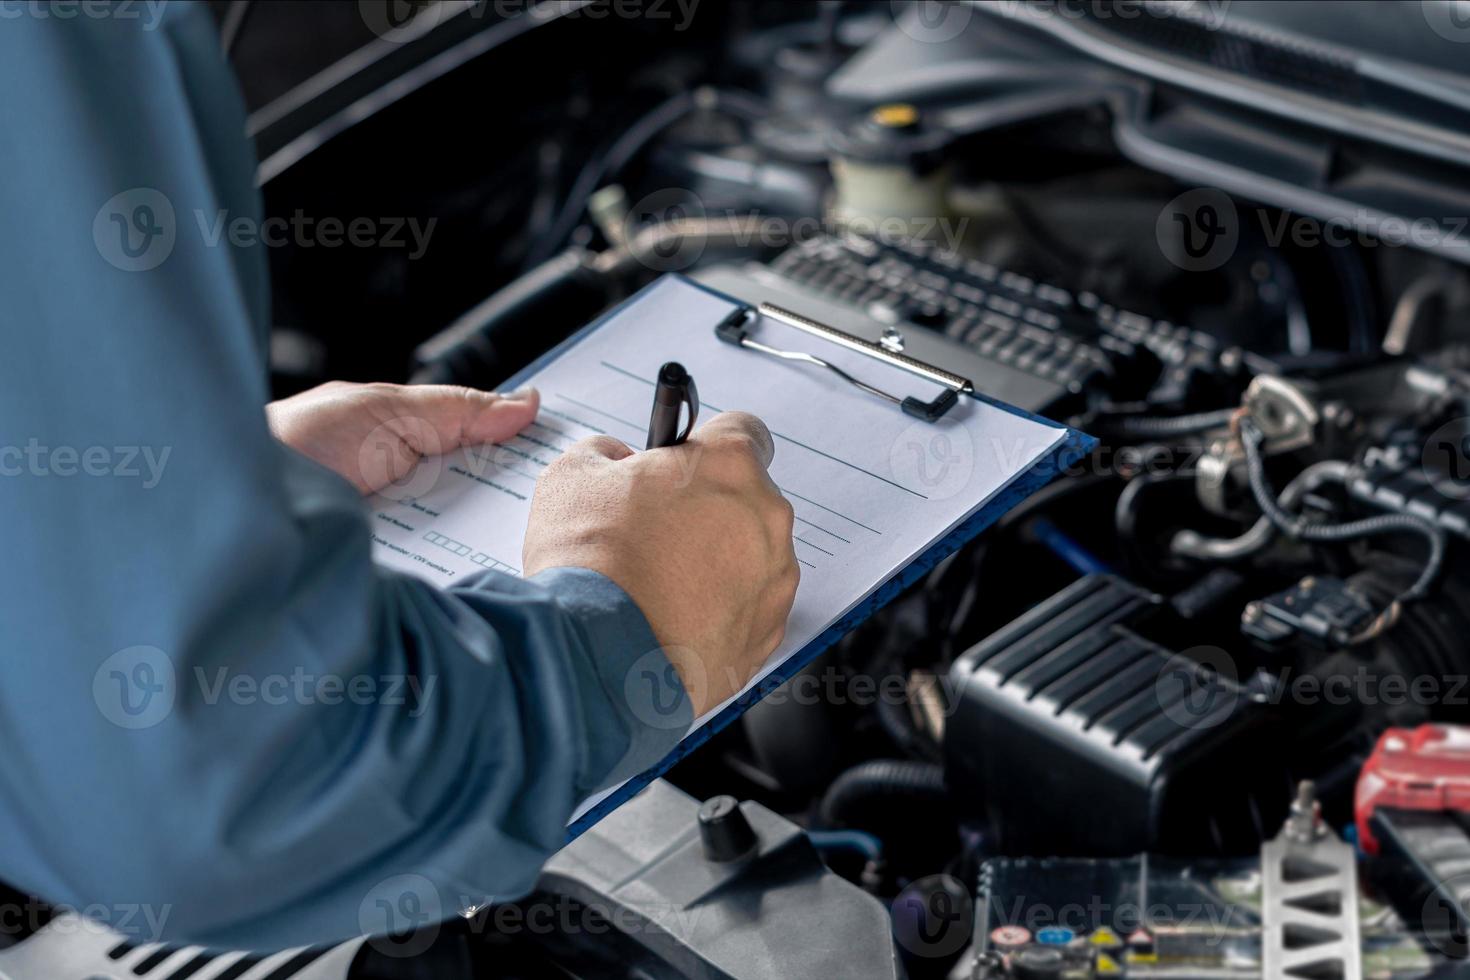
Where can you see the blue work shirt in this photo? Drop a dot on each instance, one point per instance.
(215, 707)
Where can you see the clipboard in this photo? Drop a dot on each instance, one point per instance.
(1071, 447)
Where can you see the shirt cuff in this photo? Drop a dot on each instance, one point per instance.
(626, 684)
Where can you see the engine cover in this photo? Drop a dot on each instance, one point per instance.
(1072, 733)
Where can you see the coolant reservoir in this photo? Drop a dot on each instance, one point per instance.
(891, 175)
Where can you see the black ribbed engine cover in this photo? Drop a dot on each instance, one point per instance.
(1074, 734)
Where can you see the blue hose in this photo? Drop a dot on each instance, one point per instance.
(1062, 545)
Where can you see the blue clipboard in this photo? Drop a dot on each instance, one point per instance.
(1073, 446)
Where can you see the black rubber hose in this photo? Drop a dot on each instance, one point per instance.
(1150, 426)
(894, 718)
(526, 316)
(881, 779)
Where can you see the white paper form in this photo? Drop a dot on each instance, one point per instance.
(872, 488)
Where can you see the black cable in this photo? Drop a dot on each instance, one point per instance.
(625, 148)
(1361, 305)
(1126, 513)
(1301, 528)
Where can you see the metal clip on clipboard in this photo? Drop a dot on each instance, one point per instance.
(733, 330)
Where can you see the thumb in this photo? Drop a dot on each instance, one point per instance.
(468, 417)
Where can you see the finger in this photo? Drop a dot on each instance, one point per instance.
(501, 416)
(600, 447)
(468, 417)
(738, 429)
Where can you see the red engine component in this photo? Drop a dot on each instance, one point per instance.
(1425, 768)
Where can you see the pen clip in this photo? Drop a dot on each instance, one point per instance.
(691, 399)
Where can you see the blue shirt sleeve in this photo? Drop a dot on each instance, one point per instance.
(215, 706)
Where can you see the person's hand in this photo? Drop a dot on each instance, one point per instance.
(374, 434)
(697, 535)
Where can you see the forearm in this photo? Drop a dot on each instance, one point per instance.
(482, 719)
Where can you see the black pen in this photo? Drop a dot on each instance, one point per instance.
(674, 390)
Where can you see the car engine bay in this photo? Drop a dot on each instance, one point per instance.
(1191, 711)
